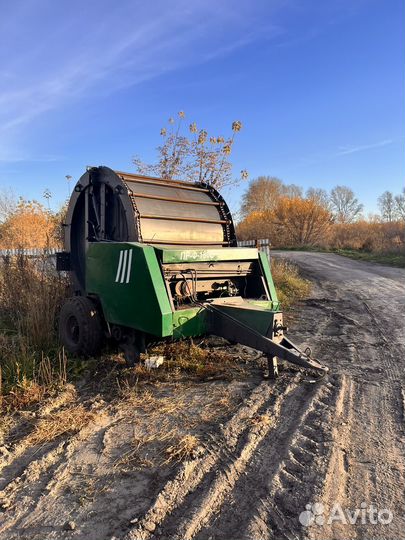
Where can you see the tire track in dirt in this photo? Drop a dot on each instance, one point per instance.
(41, 478)
(45, 477)
(231, 448)
(271, 457)
(286, 470)
(364, 336)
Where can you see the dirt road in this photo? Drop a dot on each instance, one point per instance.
(265, 449)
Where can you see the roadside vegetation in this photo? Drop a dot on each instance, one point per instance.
(290, 285)
(389, 259)
(318, 220)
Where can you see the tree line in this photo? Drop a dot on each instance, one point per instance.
(290, 217)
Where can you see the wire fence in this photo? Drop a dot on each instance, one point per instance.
(35, 252)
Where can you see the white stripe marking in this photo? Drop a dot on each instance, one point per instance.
(119, 267)
(129, 265)
(124, 266)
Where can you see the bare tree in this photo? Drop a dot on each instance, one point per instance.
(261, 195)
(320, 196)
(344, 204)
(400, 205)
(197, 157)
(292, 190)
(264, 193)
(8, 204)
(387, 206)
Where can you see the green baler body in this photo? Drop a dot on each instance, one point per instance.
(128, 280)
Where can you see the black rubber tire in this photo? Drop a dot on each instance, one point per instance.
(80, 326)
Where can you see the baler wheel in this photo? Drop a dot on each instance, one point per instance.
(80, 326)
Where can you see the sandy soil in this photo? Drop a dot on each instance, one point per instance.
(265, 449)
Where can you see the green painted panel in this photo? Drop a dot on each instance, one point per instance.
(206, 255)
(128, 280)
(189, 322)
(264, 262)
(258, 319)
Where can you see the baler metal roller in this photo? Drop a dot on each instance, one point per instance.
(153, 258)
(123, 207)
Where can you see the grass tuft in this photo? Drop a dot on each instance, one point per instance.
(388, 259)
(185, 448)
(67, 421)
(26, 379)
(31, 293)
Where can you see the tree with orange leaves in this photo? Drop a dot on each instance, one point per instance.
(302, 222)
(29, 226)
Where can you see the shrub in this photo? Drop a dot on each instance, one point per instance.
(31, 293)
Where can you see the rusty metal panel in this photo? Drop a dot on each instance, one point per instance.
(176, 214)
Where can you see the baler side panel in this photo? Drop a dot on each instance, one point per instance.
(206, 255)
(127, 279)
(264, 262)
(190, 322)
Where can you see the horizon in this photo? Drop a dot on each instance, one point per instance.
(319, 90)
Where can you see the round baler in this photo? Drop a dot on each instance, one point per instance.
(152, 258)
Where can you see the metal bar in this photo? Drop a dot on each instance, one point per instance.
(86, 219)
(162, 182)
(147, 177)
(185, 242)
(224, 325)
(181, 218)
(102, 211)
(173, 199)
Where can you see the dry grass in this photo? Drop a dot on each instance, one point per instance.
(262, 420)
(183, 360)
(24, 380)
(368, 237)
(31, 293)
(177, 400)
(67, 421)
(135, 458)
(146, 449)
(159, 448)
(168, 420)
(290, 286)
(185, 448)
(6, 424)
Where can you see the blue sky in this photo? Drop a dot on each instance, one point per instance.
(318, 85)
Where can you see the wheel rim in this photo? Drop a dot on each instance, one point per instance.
(73, 329)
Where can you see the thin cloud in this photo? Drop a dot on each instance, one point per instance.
(130, 46)
(361, 148)
(28, 158)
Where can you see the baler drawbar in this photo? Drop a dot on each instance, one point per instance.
(153, 259)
